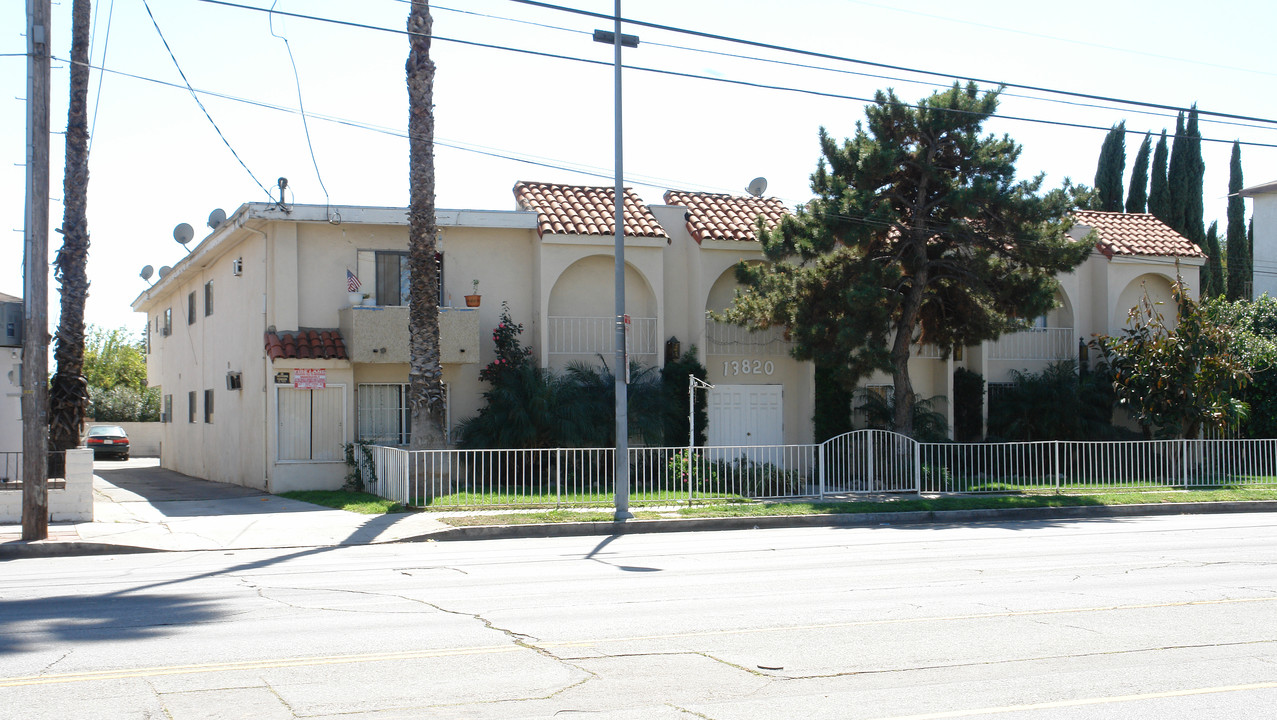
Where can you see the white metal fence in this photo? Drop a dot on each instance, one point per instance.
(864, 461)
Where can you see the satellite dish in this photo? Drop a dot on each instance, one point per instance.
(165, 270)
(183, 233)
(757, 187)
(147, 271)
(216, 218)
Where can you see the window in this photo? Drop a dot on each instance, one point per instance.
(392, 280)
(168, 409)
(208, 406)
(383, 416)
(168, 322)
(208, 298)
(190, 309)
(190, 406)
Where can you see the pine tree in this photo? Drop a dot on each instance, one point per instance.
(1159, 197)
(887, 254)
(1239, 260)
(1177, 177)
(1108, 171)
(1213, 272)
(1137, 197)
(1195, 168)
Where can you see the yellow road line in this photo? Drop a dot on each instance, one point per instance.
(1085, 701)
(497, 649)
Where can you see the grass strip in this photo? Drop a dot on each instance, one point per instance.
(901, 504)
(356, 502)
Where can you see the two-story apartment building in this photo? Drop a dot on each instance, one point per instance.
(283, 335)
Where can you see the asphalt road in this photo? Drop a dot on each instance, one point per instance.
(1169, 617)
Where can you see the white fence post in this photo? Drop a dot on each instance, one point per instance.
(870, 457)
(917, 467)
(820, 462)
(1184, 456)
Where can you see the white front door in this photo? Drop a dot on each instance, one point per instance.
(746, 415)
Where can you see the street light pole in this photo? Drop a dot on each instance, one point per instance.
(618, 201)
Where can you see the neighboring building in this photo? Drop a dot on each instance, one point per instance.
(268, 364)
(10, 374)
(1264, 254)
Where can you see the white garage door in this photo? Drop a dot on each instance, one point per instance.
(746, 415)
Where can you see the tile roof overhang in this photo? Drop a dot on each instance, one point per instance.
(306, 344)
(1135, 234)
(712, 216)
(583, 210)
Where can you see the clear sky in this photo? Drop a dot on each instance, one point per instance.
(502, 116)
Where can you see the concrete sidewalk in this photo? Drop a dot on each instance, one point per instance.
(139, 507)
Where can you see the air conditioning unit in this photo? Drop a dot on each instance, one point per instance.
(237, 267)
(234, 380)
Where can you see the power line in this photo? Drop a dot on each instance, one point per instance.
(694, 76)
(300, 106)
(106, 44)
(197, 99)
(824, 68)
(888, 66)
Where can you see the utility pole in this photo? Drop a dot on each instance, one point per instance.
(622, 495)
(35, 293)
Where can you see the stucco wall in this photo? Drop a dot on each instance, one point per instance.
(10, 400)
(1264, 216)
(73, 503)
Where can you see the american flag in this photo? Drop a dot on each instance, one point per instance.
(352, 282)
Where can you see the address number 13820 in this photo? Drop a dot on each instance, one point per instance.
(748, 367)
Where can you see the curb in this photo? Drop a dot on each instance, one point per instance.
(54, 548)
(938, 517)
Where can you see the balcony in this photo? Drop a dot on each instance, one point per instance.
(727, 339)
(1035, 344)
(584, 338)
(379, 334)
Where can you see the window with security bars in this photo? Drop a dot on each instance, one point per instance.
(869, 396)
(383, 415)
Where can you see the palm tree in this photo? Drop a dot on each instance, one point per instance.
(68, 393)
(425, 374)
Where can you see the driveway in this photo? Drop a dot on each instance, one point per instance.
(143, 480)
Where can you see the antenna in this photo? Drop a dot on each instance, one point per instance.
(757, 186)
(216, 218)
(183, 234)
(147, 272)
(165, 270)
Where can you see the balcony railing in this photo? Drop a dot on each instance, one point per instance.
(586, 337)
(1035, 344)
(727, 339)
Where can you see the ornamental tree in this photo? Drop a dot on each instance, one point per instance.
(1174, 380)
(918, 233)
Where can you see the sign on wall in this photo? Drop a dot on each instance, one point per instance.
(310, 378)
(283, 378)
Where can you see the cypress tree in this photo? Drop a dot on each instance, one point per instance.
(1213, 272)
(1108, 171)
(1239, 261)
(1137, 197)
(1159, 197)
(1195, 169)
(1177, 178)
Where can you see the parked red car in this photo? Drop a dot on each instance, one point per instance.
(107, 441)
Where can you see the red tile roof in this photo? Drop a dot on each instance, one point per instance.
(725, 217)
(306, 344)
(1135, 234)
(580, 210)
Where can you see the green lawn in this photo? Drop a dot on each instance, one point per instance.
(368, 504)
(356, 502)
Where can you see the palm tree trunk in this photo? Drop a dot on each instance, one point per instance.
(68, 393)
(425, 375)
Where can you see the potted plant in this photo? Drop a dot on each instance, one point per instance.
(473, 299)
